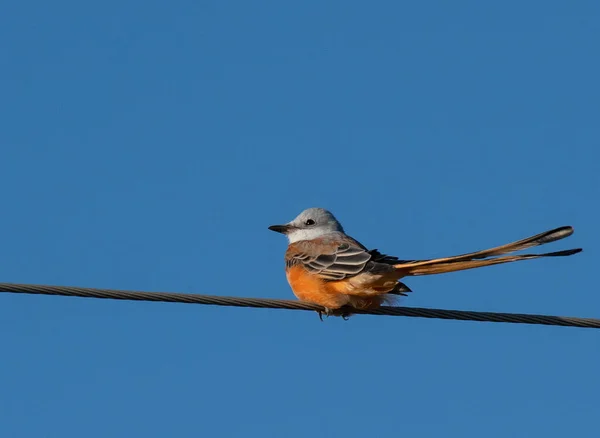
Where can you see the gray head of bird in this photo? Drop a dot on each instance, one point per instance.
(310, 224)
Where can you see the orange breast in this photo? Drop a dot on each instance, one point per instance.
(309, 287)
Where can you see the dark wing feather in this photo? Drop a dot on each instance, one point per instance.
(330, 259)
(378, 257)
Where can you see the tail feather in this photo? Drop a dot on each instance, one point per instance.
(400, 289)
(474, 259)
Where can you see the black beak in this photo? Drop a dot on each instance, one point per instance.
(283, 229)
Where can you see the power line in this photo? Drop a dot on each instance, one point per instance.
(419, 312)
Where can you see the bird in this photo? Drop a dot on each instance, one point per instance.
(327, 267)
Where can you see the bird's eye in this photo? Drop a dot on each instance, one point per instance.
(309, 222)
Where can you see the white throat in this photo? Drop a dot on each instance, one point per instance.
(307, 234)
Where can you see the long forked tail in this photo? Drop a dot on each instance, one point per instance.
(480, 258)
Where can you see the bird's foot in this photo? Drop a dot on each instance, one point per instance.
(346, 316)
(326, 311)
(344, 313)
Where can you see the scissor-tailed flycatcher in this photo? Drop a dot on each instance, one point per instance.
(326, 266)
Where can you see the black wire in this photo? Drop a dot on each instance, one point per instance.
(462, 315)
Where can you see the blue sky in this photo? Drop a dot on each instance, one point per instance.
(148, 145)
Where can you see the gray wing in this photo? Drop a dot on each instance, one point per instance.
(335, 261)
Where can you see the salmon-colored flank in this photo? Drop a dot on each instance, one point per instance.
(310, 287)
(362, 291)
